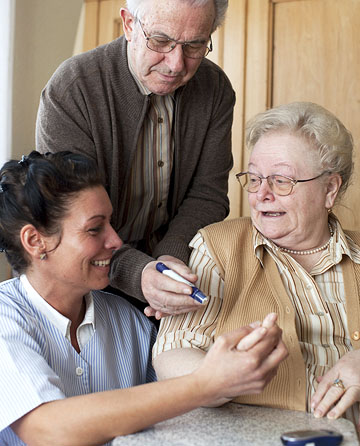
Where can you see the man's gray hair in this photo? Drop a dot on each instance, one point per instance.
(137, 8)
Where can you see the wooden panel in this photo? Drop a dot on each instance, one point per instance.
(234, 66)
(110, 25)
(316, 58)
(256, 70)
(91, 24)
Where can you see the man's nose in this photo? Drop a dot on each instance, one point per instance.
(175, 59)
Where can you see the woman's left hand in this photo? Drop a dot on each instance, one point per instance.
(332, 399)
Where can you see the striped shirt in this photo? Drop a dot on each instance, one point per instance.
(318, 298)
(144, 208)
(39, 364)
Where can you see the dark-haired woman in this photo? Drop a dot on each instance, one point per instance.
(65, 348)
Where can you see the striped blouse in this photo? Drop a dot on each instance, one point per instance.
(39, 364)
(318, 298)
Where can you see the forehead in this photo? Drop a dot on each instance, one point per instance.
(86, 204)
(283, 148)
(177, 18)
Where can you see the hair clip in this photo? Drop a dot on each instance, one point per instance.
(24, 160)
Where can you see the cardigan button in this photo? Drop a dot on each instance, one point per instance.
(356, 335)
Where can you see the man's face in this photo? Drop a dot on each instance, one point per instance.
(163, 73)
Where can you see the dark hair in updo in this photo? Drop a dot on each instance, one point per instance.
(38, 190)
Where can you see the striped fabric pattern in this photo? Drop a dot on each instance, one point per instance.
(39, 364)
(318, 298)
(144, 208)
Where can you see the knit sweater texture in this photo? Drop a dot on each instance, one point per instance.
(252, 291)
(92, 105)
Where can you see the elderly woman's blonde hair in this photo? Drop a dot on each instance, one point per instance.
(313, 122)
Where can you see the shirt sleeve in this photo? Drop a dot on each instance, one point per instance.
(26, 380)
(196, 329)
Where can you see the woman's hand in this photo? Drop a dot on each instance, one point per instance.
(332, 400)
(244, 361)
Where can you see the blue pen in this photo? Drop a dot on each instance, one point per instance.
(196, 294)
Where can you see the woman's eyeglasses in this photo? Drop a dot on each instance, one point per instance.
(279, 184)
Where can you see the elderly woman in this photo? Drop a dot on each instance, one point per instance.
(64, 348)
(292, 257)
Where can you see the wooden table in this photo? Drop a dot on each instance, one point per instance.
(234, 424)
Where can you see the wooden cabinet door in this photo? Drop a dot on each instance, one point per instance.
(307, 50)
(102, 22)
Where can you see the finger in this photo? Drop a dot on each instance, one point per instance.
(179, 303)
(274, 358)
(325, 384)
(231, 339)
(179, 267)
(255, 324)
(270, 320)
(149, 312)
(251, 339)
(350, 396)
(330, 398)
(265, 345)
(160, 314)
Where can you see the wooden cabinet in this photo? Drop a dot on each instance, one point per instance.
(275, 52)
(307, 50)
(102, 22)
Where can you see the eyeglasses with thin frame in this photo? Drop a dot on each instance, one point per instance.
(163, 44)
(279, 184)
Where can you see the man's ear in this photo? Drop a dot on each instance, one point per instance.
(33, 241)
(128, 23)
(333, 187)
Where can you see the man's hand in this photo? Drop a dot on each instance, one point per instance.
(165, 295)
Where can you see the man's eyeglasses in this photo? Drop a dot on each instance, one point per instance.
(163, 44)
(279, 184)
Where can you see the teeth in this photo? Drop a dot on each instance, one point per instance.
(101, 262)
(273, 214)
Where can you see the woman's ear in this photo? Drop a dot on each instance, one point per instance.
(333, 187)
(128, 23)
(33, 241)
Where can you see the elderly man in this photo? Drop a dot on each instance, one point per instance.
(156, 116)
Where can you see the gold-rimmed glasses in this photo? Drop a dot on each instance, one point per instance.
(279, 184)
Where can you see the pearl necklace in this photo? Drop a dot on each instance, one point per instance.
(307, 251)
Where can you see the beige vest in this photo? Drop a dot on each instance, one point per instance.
(252, 291)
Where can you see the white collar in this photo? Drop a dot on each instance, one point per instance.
(61, 322)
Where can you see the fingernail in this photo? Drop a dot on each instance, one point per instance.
(270, 317)
(255, 324)
(331, 414)
(318, 414)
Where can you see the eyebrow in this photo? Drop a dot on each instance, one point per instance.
(162, 34)
(96, 216)
(275, 165)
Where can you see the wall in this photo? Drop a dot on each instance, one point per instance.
(44, 36)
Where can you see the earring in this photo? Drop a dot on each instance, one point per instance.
(43, 256)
